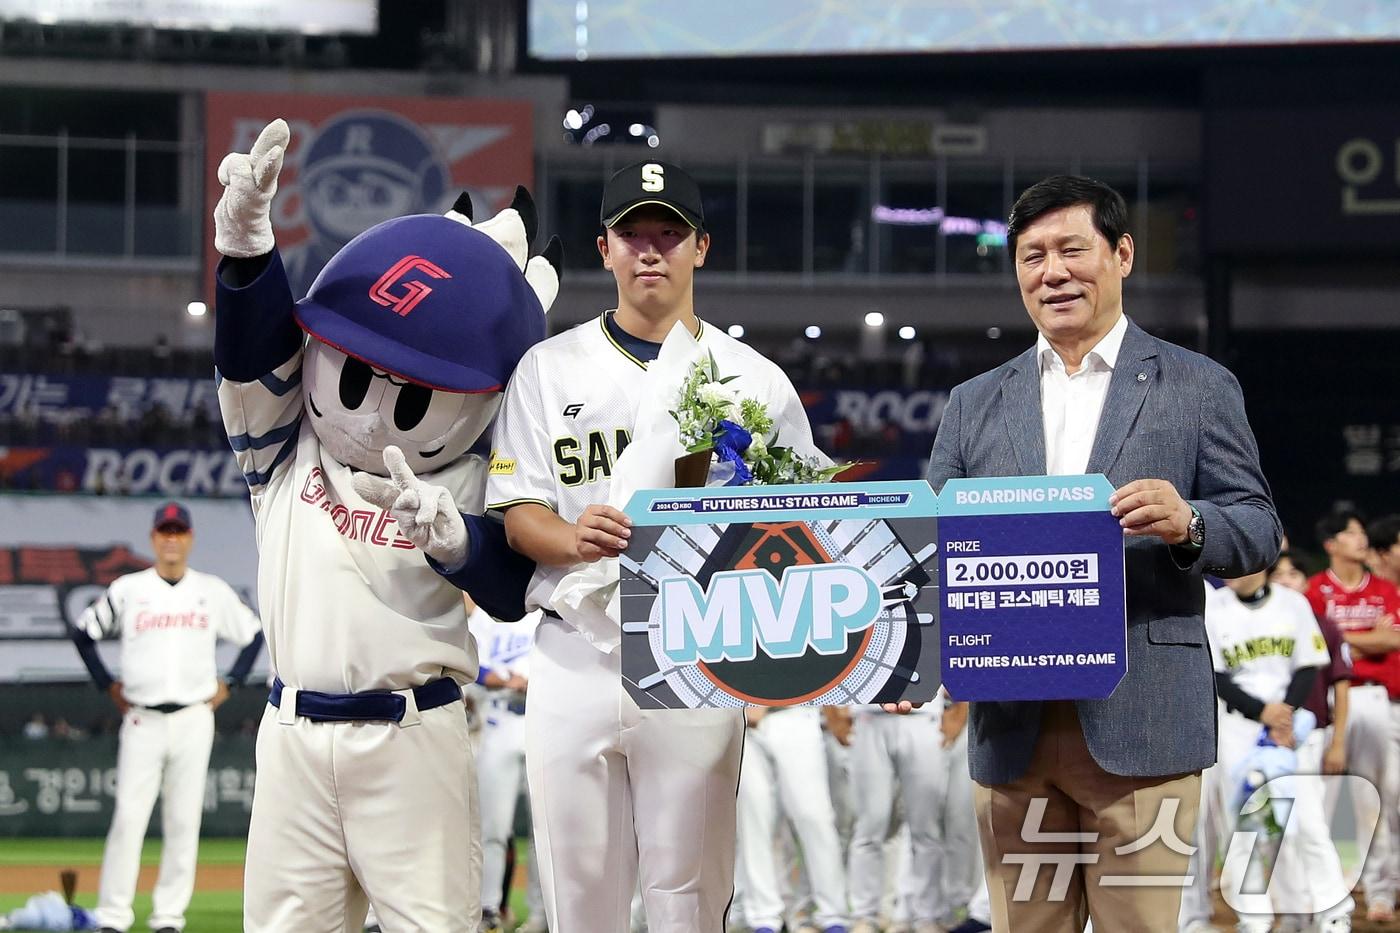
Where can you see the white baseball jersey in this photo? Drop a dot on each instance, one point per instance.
(1261, 644)
(504, 647)
(168, 632)
(569, 413)
(348, 603)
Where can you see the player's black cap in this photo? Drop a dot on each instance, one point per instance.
(652, 183)
(172, 514)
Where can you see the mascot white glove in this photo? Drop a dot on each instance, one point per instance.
(426, 514)
(243, 216)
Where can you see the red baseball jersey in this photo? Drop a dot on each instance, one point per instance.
(1360, 608)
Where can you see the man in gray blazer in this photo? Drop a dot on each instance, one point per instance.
(1167, 426)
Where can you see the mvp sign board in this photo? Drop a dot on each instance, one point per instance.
(836, 593)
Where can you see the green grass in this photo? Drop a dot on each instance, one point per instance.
(61, 852)
(209, 912)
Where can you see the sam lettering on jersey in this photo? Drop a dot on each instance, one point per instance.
(589, 458)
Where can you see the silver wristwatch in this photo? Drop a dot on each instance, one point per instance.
(1196, 529)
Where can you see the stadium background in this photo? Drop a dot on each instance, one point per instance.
(857, 170)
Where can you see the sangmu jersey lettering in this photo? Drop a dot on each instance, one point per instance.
(1261, 644)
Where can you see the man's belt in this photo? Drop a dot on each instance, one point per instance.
(371, 705)
(166, 707)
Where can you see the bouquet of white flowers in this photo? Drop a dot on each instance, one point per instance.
(715, 422)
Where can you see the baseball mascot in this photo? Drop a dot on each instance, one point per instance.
(392, 366)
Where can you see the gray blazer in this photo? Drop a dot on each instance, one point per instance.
(1170, 414)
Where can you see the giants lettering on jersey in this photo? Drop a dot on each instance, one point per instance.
(591, 458)
(145, 620)
(369, 525)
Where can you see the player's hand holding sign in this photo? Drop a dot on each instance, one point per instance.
(426, 514)
(601, 531)
(243, 216)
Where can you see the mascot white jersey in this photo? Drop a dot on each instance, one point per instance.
(366, 784)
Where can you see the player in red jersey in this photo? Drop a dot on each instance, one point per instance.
(1364, 608)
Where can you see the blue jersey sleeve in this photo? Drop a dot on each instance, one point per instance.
(254, 330)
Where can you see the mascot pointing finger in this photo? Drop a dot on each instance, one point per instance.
(352, 413)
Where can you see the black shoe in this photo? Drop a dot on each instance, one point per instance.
(167, 930)
(970, 926)
(110, 930)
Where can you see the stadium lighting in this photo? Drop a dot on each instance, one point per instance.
(653, 140)
(813, 331)
(573, 120)
(906, 332)
(196, 309)
(874, 319)
(994, 333)
(736, 331)
(636, 129)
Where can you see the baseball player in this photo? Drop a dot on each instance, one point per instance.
(1268, 651)
(1364, 609)
(615, 791)
(367, 789)
(909, 749)
(504, 649)
(1323, 751)
(168, 618)
(784, 766)
(962, 864)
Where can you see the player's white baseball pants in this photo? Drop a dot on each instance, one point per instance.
(1305, 846)
(961, 875)
(348, 813)
(165, 754)
(616, 792)
(501, 767)
(1371, 754)
(785, 767)
(1311, 864)
(908, 748)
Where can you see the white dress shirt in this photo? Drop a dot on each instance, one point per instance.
(1071, 404)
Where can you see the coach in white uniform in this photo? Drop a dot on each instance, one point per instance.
(168, 618)
(617, 792)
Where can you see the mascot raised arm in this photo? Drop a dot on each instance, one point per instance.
(353, 413)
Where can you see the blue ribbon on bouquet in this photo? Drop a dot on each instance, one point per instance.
(731, 441)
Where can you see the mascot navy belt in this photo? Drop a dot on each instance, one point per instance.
(370, 705)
